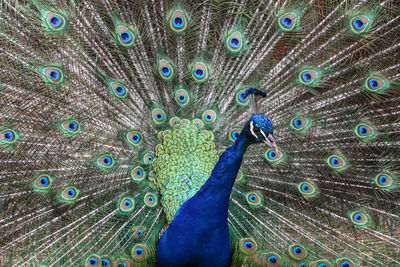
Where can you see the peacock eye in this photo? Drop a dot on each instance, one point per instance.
(134, 137)
(139, 252)
(148, 158)
(137, 174)
(337, 162)
(254, 199)
(365, 132)
(138, 232)
(209, 116)
(234, 134)
(42, 183)
(126, 205)
(69, 194)
(118, 90)
(307, 189)
(200, 72)
(359, 218)
(158, 115)
(385, 181)
(165, 69)
(309, 77)
(376, 84)
(53, 75)
(288, 21)
(125, 35)
(234, 42)
(360, 24)
(105, 262)
(55, 21)
(248, 245)
(178, 20)
(71, 127)
(297, 252)
(8, 136)
(344, 262)
(150, 200)
(242, 98)
(182, 97)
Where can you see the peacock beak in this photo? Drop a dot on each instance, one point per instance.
(269, 140)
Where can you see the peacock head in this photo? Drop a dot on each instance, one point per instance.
(259, 129)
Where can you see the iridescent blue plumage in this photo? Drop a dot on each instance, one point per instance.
(198, 234)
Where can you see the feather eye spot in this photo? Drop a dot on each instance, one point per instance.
(248, 246)
(93, 261)
(272, 154)
(272, 259)
(53, 75)
(42, 183)
(139, 252)
(118, 90)
(359, 24)
(209, 116)
(134, 138)
(376, 83)
(359, 218)
(297, 123)
(309, 77)
(287, 21)
(55, 21)
(306, 77)
(297, 252)
(105, 161)
(254, 199)
(234, 134)
(178, 20)
(373, 83)
(166, 69)
(8, 136)
(344, 262)
(126, 205)
(148, 157)
(138, 232)
(365, 132)
(182, 97)
(242, 98)
(125, 36)
(300, 124)
(71, 127)
(200, 72)
(150, 200)
(137, 174)
(69, 195)
(158, 116)
(307, 189)
(337, 162)
(234, 42)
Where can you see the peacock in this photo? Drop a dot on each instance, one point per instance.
(200, 133)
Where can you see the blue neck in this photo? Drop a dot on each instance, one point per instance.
(198, 234)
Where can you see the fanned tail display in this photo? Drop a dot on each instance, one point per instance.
(199, 133)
